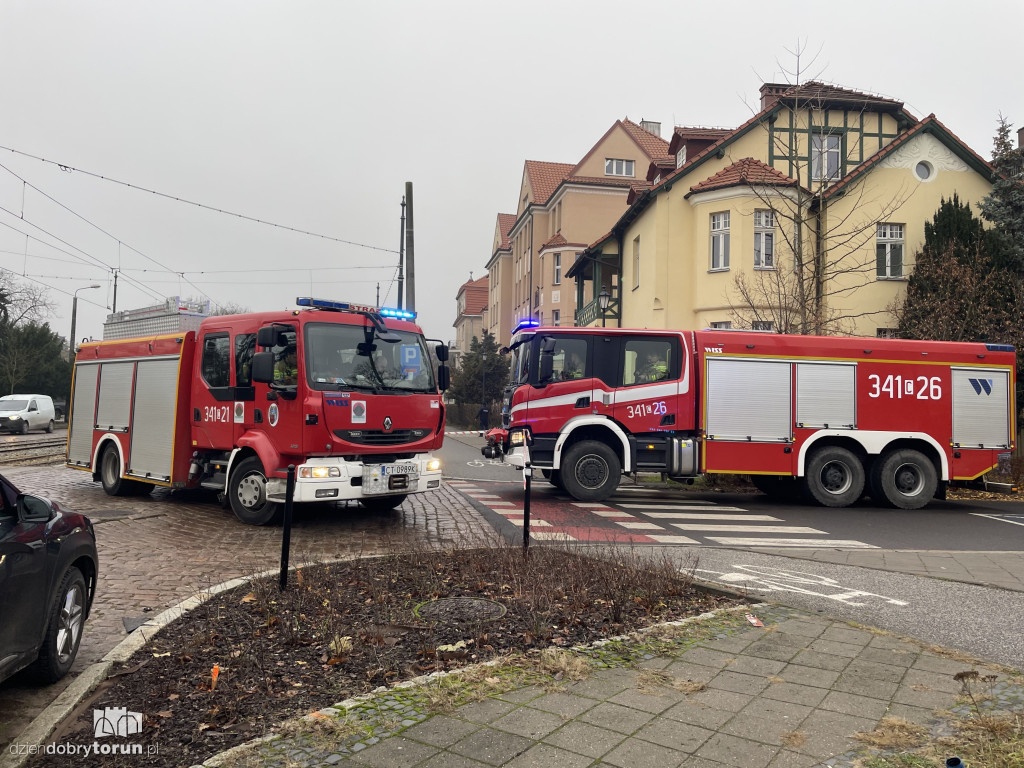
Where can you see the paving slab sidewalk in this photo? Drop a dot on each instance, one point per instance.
(718, 694)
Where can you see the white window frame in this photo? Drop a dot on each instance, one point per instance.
(681, 157)
(764, 239)
(763, 325)
(556, 262)
(719, 246)
(721, 325)
(825, 146)
(616, 166)
(556, 317)
(889, 249)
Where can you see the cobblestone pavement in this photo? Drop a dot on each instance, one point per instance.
(720, 694)
(160, 549)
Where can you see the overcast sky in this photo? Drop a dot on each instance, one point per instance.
(313, 115)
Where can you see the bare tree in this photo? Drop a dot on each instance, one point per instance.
(824, 242)
(22, 302)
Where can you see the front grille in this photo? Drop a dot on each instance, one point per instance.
(378, 437)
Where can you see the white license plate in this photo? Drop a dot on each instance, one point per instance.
(398, 469)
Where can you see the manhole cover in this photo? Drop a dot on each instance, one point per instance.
(460, 610)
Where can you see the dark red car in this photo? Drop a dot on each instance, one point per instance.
(48, 567)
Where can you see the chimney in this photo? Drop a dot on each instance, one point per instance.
(770, 93)
(653, 127)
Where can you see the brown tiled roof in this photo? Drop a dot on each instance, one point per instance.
(919, 127)
(545, 178)
(636, 189)
(558, 241)
(604, 181)
(505, 223)
(653, 145)
(745, 171)
(713, 134)
(476, 295)
(817, 91)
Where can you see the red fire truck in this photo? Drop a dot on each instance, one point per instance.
(834, 417)
(345, 392)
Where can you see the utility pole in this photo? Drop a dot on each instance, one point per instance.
(115, 291)
(401, 257)
(411, 290)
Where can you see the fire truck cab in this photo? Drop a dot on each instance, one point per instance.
(346, 393)
(835, 418)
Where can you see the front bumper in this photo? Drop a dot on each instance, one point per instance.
(358, 480)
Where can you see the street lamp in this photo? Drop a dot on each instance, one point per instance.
(603, 299)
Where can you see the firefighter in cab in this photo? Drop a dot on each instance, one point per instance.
(286, 371)
(654, 369)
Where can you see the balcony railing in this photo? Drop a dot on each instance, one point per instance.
(589, 314)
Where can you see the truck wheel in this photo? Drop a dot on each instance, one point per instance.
(110, 474)
(247, 490)
(907, 478)
(590, 471)
(553, 476)
(49, 427)
(835, 477)
(382, 503)
(63, 629)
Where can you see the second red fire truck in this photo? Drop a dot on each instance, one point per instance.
(347, 393)
(834, 417)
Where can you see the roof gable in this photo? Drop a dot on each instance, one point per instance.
(651, 146)
(745, 172)
(540, 179)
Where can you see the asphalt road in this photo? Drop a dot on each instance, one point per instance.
(979, 620)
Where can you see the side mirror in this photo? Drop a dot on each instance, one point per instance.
(546, 365)
(443, 377)
(35, 509)
(441, 350)
(267, 336)
(263, 366)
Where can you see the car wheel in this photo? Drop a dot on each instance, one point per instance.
(835, 477)
(247, 492)
(907, 478)
(24, 426)
(64, 628)
(590, 471)
(49, 427)
(382, 503)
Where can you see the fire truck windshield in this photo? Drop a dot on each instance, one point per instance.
(519, 368)
(337, 357)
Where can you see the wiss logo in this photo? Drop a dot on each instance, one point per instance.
(709, 350)
(981, 385)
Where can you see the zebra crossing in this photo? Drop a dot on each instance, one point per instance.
(654, 520)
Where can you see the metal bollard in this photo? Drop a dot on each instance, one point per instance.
(286, 536)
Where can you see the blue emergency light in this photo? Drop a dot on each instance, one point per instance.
(348, 306)
(527, 323)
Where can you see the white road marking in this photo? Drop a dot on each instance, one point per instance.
(769, 580)
(997, 517)
(669, 539)
(810, 543)
(639, 526)
(590, 504)
(553, 536)
(747, 528)
(708, 516)
(687, 507)
(612, 513)
(533, 523)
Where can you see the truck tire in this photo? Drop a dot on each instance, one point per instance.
(49, 427)
(63, 628)
(590, 471)
(553, 476)
(382, 503)
(834, 476)
(247, 492)
(110, 474)
(907, 478)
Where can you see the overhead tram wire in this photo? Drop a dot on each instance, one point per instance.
(92, 224)
(72, 169)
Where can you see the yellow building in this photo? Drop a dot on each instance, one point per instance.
(804, 219)
(562, 208)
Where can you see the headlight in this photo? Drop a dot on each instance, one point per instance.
(433, 465)
(517, 438)
(14, 417)
(319, 472)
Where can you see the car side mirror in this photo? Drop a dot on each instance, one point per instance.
(443, 377)
(35, 509)
(263, 367)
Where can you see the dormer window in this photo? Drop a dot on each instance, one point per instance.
(618, 167)
(681, 157)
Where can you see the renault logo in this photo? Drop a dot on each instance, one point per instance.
(387, 423)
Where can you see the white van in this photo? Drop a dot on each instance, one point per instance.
(20, 413)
